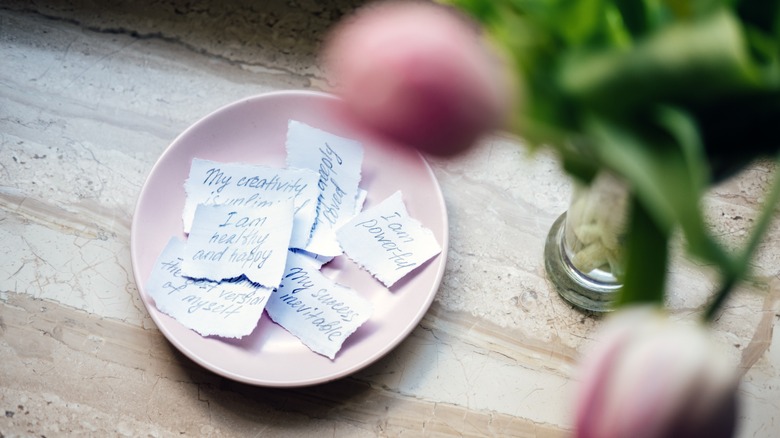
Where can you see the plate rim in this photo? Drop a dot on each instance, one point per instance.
(157, 316)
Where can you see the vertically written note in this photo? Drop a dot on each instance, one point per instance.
(337, 162)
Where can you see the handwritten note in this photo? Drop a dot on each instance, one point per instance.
(246, 185)
(227, 242)
(226, 309)
(321, 313)
(386, 241)
(338, 162)
(315, 259)
(360, 201)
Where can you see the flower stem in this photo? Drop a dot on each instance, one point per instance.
(646, 258)
(742, 262)
(719, 299)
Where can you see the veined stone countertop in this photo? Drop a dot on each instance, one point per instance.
(91, 94)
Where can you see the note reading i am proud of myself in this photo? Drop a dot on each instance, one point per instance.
(247, 185)
(319, 312)
(227, 242)
(227, 309)
(386, 241)
(338, 162)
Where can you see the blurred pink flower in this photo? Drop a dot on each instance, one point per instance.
(417, 73)
(651, 377)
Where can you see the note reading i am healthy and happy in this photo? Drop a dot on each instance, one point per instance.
(248, 185)
(386, 241)
(227, 242)
(230, 309)
(321, 313)
(338, 163)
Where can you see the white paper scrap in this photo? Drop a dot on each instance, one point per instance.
(338, 162)
(225, 309)
(226, 242)
(386, 242)
(321, 313)
(247, 185)
(360, 201)
(315, 259)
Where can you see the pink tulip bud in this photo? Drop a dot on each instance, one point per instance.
(651, 377)
(419, 74)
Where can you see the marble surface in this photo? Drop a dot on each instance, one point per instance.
(92, 92)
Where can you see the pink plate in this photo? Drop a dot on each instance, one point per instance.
(253, 130)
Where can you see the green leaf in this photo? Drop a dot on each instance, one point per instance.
(618, 31)
(661, 176)
(762, 222)
(681, 61)
(646, 258)
(482, 11)
(580, 20)
(634, 15)
(657, 174)
(684, 131)
(763, 14)
(742, 262)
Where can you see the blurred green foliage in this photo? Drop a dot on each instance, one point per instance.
(672, 95)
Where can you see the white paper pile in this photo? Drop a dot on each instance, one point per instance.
(258, 237)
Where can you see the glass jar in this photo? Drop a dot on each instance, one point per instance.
(584, 249)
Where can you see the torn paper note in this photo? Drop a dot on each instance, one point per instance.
(316, 259)
(226, 242)
(386, 241)
(226, 309)
(320, 260)
(246, 185)
(338, 162)
(360, 201)
(321, 313)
